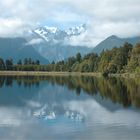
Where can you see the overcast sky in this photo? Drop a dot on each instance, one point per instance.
(103, 17)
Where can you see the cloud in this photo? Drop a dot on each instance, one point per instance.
(85, 39)
(104, 17)
(35, 41)
(95, 110)
(10, 117)
(12, 27)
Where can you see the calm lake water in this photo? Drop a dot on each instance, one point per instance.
(69, 108)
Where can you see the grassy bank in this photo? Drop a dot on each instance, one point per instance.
(126, 75)
(39, 73)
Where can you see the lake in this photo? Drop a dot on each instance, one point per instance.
(69, 108)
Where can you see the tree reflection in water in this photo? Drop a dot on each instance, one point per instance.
(124, 91)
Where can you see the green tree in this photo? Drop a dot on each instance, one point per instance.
(134, 60)
(78, 57)
(2, 64)
(37, 62)
(26, 61)
(9, 64)
(19, 62)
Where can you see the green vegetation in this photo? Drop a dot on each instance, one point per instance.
(125, 59)
(26, 65)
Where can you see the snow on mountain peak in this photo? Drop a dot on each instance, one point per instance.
(76, 30)
(53, 33)
(52, 29)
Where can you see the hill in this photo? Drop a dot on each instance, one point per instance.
(114, 41)
(17, 48)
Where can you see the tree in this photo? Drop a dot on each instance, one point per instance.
(9, 64)
(122, 56)
(78, 57)
(69, 64)
(30, 61)
(134, 61)
(19, 62)
(37, 62)
(53, 62)
(2, 64)
(26, 61)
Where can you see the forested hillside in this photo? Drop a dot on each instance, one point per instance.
(118, 60)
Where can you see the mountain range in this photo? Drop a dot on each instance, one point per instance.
(54, 34)
(53, 44)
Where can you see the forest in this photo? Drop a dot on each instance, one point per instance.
(125, 59)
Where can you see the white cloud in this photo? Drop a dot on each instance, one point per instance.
(95, 110)
(35, 41)
(12, 27)
(85, 39)
(105, 17)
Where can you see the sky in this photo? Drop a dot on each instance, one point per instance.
(102, 17)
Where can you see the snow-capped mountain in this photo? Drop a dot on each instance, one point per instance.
(50, 33)
(55, 34)
(55, 44)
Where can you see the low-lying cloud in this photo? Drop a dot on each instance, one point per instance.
(35, 41)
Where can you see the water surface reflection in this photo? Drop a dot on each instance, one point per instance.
(69, 108)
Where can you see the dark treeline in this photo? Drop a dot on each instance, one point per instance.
(22, 65)
(118, 60)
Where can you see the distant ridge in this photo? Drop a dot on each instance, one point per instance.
(114, 41)
(17, 48)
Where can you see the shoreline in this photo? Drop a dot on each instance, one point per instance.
(40, 73)
(125, 75)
